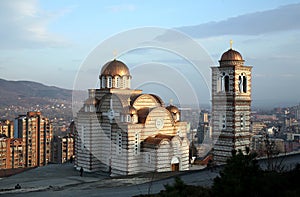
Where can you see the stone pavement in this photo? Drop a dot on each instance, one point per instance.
(52, 176)
(64, 180)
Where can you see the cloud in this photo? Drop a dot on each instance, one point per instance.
(259, 75)
(121, 8)
(287, 75)
(25, 25)
(283, 18)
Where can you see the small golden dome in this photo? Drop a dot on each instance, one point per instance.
(173, 109)
(231, 55)
(132, 110)
(91, 101)
(114, 68)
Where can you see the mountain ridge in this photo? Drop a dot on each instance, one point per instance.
(24, 93)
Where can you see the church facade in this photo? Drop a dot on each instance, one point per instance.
(123, 131)
(231, 105)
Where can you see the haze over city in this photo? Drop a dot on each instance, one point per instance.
(48, 41)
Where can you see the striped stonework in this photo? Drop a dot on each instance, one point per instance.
(122, 131)
(231, 106)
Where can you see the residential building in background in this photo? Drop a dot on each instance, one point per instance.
(7, 128)
(231, 105)
(63, 149)
(35, 131)
(11, 155)
(204, 129)
(4, 150)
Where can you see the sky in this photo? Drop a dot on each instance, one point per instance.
(50, 41)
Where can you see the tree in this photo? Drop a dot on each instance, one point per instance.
(180, 189)
(240, 177)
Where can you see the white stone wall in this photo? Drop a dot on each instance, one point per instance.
(98, 145)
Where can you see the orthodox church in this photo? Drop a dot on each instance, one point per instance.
(123, 131)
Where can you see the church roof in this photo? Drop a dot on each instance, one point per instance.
(173, 109)
(231, 55)
(142, 114)
(154, 142)
(115, 67)
(91, 101)
(130, 110)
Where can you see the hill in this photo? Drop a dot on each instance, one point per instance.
(19, 97)
(25, 93)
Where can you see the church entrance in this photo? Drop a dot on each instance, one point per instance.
(175, 164)
(175, 167)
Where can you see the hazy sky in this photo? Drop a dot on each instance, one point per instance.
(47, 41)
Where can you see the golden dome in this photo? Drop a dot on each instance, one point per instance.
(231, 55)
(91, 101)
(114, 68)
(130, 110)
(173, 109)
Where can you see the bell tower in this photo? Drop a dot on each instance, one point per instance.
(231, 105)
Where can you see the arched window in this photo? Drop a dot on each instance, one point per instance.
(119, 143)
(243, 126)
(128, 82)
(219, 83)
(177, 117)
(109, 82)
(128, 118)
(223, 121)
(148, 158)
(103, 82)
(243, 83)
(82, 137)
(226, 83)
(124, 81)
(92, 108)
(223, 83)
(136, 143)
(134, 119)
(117, 82)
